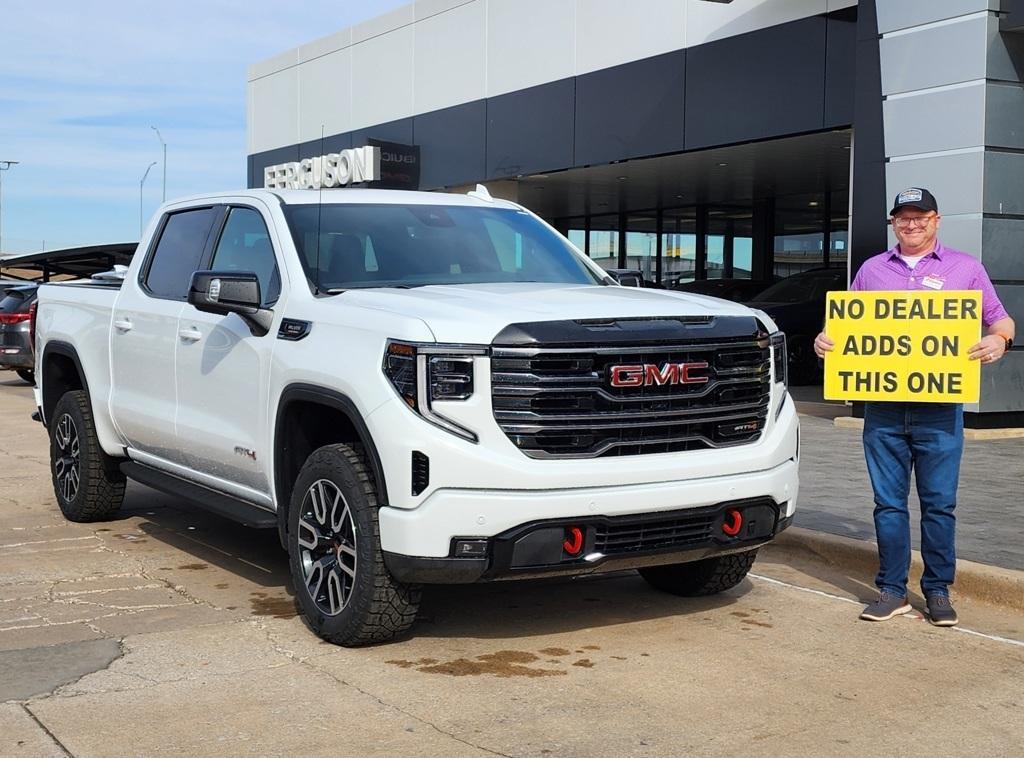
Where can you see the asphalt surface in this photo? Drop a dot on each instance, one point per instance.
(171, 632)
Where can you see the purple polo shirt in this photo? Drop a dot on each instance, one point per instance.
(953, 269)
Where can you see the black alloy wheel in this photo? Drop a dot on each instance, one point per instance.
(327, 547)
(67, 465)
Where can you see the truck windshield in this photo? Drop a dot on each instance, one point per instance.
(373, 245)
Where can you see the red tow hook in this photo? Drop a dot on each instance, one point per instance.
(573, 543)
(733, 523)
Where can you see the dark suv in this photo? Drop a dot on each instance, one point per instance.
(15, 342)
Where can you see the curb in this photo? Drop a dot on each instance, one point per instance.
(1010, 433)
(978, 581)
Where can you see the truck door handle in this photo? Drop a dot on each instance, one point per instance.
(190, 335)
(123, 324)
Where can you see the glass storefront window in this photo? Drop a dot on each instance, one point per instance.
(642, 245)
(678, 246)
(578, 237)
(799, 234)
(604, 241)
(730, 243)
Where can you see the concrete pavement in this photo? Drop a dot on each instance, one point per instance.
(170, 631)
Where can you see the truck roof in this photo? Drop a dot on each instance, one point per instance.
(344, 196)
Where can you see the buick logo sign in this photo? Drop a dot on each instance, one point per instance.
(651, 374)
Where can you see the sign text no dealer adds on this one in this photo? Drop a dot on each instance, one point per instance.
(903, 346)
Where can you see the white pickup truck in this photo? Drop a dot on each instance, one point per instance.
(418, 388)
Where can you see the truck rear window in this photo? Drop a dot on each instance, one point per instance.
(417, 245)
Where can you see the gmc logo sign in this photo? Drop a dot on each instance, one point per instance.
(649, 374)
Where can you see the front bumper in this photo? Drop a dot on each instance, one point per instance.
(542, 549)
(429, 544)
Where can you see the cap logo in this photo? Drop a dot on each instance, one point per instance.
(909, 196)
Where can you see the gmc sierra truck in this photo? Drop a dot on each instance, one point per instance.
(417, 388)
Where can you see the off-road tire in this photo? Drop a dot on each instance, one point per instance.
(379, 608)
(27, 375)
(707, 577)
(99, 490)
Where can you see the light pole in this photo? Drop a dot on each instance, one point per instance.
(4, 166)
(164, 199)
(141, 182)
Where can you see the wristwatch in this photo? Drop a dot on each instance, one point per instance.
(1007, 337)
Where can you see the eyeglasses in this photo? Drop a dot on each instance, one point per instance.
(905, 222)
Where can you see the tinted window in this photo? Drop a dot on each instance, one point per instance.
(416, 245)
(245, 246)
(178, 252)
(16, 300)
(803, 287)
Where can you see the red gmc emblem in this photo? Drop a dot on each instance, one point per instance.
(648, 374)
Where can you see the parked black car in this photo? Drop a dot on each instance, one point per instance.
(15, 345)
(797, 305)
(737, 290)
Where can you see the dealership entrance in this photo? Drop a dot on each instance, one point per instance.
(760, 211)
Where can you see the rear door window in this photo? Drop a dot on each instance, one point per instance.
(179, 252)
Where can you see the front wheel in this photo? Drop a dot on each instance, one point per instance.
(86, 481)
(707, 577)
(27, 375)
(341, 583)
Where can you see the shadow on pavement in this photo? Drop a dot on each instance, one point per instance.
(490, 610)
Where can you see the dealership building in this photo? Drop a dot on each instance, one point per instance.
(689, 139)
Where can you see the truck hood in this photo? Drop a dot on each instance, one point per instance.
(475, 313)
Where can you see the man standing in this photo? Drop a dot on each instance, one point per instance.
(924, 437)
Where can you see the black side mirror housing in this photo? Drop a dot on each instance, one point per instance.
(224, 292)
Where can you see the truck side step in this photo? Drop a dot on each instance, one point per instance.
(245, 513)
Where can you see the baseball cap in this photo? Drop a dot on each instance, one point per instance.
(914, 197)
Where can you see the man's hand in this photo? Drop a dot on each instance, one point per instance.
(823, 344)
(989, 350)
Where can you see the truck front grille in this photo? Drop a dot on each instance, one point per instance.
(559, 402)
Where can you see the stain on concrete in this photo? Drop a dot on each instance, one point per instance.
(39, 670)
(274, 606)
(584, 663)
(759, 623)
(503, 664)
(194, 567)
(740, 614)
(591, 647)
(411, 664)
(619, 657)
(554, 651)
(221, 586)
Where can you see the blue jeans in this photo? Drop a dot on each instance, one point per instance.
(927, 438)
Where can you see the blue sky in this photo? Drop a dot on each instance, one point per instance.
(82, 82)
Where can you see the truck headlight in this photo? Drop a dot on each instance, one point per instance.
(780, 366)
(780, 358)
(423, 374)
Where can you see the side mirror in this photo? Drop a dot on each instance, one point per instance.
(224, 292)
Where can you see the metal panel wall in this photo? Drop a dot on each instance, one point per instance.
(531, 130)
(630, 110)
(756, 85)
(453, 141)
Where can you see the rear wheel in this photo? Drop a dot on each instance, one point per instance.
(27, 374)
(86, 481)
(341, 583)
(707, 577)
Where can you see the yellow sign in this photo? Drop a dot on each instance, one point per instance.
(903, 346)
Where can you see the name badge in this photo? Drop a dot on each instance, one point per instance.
(933, 282)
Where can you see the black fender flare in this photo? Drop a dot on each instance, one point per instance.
(301, 392)
(67, 350)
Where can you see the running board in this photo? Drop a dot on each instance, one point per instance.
(245, 513)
